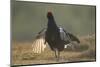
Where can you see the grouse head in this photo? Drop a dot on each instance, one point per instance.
(49, 15)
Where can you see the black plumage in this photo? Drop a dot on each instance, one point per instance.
(55, 36)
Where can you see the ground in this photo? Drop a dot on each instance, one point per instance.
(21, 53)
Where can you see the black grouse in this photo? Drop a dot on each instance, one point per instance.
(55, 36)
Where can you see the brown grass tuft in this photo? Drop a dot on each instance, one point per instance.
(85, 51)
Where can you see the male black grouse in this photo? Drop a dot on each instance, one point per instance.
(55, 36)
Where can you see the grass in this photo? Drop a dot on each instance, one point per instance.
(22, 53)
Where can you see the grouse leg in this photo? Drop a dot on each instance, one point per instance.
(55, 54)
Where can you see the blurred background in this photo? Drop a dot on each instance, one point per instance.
(28, 18)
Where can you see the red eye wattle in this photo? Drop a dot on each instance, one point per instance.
(49, 13)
